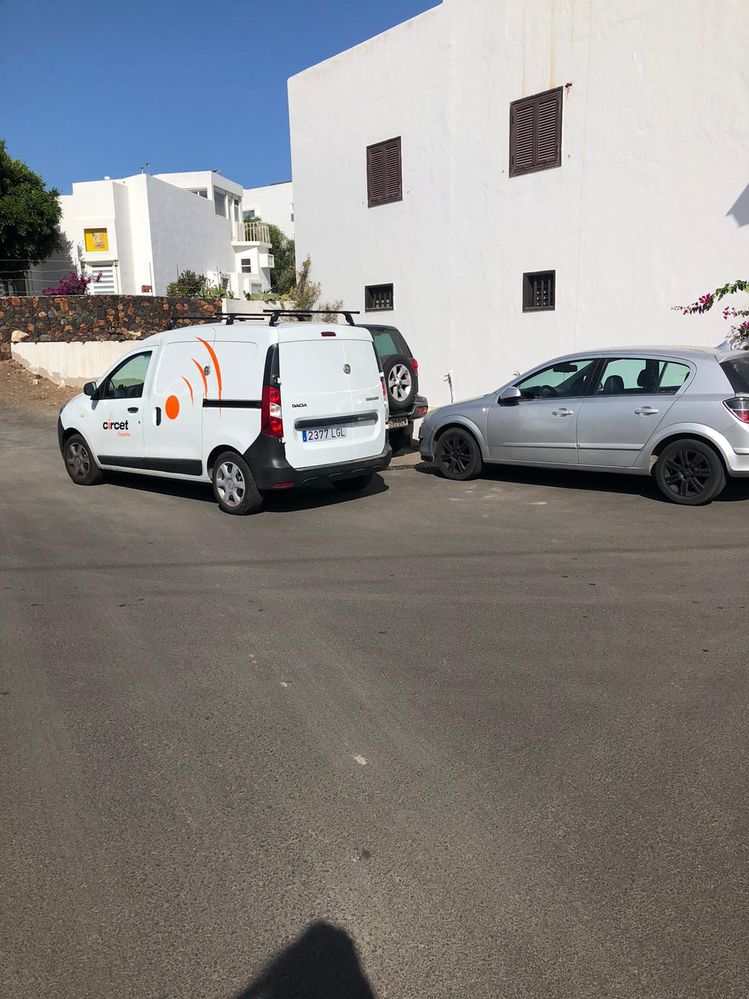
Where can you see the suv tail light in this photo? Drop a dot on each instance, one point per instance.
(415, 365)
(384, 388)
(739, 406)
(271, 422)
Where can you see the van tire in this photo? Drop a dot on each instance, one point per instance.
(234, 485)
(79, 462)
(353, 485)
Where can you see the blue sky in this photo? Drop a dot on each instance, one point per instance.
(95, 89)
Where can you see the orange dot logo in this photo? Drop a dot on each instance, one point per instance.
(171, 407)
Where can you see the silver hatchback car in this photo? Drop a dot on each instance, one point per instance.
(680, 414)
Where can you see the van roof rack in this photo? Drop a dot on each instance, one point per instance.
(217, 316)
(275, 314)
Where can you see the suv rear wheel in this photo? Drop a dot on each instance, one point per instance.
(689, 472)
(400, 379)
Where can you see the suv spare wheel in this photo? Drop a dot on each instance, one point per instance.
(400, 380)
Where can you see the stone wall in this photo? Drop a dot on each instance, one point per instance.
(75, 318)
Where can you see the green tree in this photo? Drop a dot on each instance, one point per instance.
(188, 285)
(307, 292)
(29, 215)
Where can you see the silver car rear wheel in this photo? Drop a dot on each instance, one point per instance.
(690, 472)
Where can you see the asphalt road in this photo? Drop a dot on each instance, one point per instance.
(440, 740)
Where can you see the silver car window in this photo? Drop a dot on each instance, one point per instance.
(640, 376)
(563, 379)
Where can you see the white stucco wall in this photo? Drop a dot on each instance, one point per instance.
(186, 233)
(637, 218)
(273, 203)
(69, 363)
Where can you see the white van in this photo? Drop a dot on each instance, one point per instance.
(249, 407)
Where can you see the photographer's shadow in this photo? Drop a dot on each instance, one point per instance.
(321, 964)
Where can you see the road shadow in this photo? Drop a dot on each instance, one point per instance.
(283, 501)
(321, 964)
(582, 481)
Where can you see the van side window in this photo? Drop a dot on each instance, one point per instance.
(127, 380)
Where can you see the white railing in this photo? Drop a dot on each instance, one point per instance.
(250, 232)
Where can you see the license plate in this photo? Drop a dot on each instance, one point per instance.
(394, 424)
(323, 434)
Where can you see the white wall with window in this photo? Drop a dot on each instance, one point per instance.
(624, 193)
(273, 203)
(136, 234)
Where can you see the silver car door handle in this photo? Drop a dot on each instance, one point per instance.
(646, 411)
(562, 412)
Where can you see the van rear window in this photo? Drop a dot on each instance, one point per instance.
(737, 372)
(389, 342)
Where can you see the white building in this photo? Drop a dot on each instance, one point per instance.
(626, 192)
(274, 204)
(138, 233)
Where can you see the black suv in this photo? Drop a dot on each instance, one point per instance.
(401, 372)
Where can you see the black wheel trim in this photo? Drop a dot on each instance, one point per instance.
(455, 453)
(687, 473)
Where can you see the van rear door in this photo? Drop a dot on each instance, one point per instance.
(331, 396)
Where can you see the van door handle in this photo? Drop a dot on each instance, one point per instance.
(646, 411)
(562, 412)
(132, 409)
(158, 416)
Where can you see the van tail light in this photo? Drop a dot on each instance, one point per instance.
(739, 406)
(271, 422)
(415, 364)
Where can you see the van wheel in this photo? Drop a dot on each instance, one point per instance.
(234, 485)
(457, 455)
(354, 484)
(689, 472)
(79, 462)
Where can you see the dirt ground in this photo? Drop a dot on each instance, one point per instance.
(22, 390)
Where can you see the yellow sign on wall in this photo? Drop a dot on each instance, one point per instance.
(97, 240)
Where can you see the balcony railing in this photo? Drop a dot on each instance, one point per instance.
(250, 232)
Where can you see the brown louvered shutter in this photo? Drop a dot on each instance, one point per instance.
(384, 172)
(522, 117)
(549, 129)
(536, 132)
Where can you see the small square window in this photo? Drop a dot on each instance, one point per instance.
(246, 266)
(539, 291)
(378, 298)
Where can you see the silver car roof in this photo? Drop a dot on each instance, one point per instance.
(664, 350)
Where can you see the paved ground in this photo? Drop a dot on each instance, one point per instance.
(442, 740)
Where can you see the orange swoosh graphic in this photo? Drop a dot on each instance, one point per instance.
(216, 365)
(189, 386)
(202, 375)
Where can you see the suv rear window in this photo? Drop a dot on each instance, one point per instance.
(737, 372)
(388, 342)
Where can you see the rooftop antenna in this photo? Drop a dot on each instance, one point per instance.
(144, 168)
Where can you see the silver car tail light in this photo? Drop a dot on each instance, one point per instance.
(739, 407)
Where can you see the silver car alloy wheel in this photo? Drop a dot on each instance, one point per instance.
(79, 460)
(230, 483)
(399, 382)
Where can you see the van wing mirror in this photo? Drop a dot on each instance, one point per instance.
(510, 396)
(90, 389)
